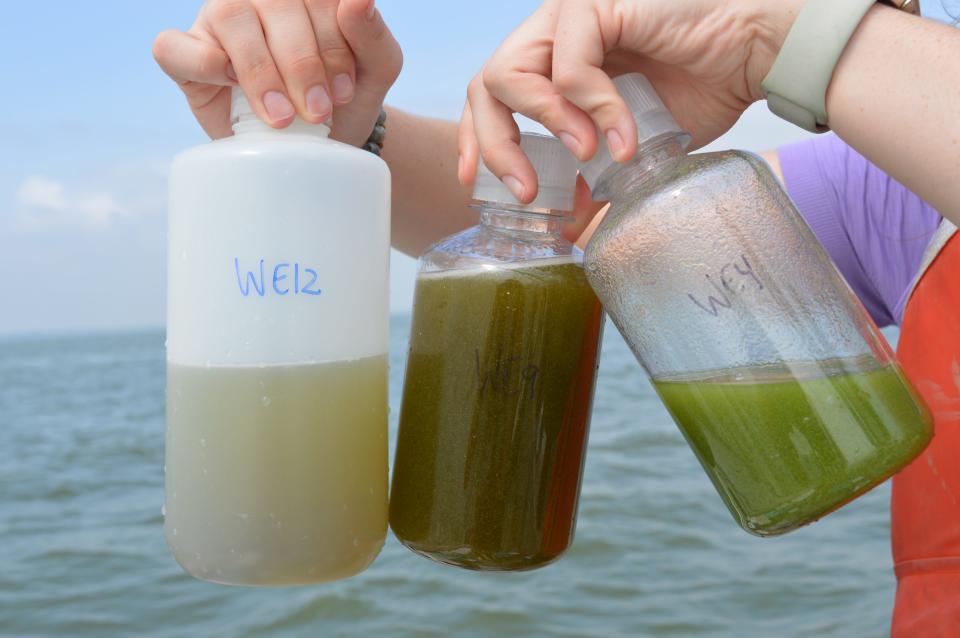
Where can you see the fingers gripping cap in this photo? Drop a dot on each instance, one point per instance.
(652, 118)
(556, 172)
(240, 108)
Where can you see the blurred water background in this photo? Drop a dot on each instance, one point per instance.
(656, 554)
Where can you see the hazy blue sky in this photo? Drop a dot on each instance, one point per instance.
(88, 125)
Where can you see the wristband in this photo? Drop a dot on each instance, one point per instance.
(374, 143)
(796, 87)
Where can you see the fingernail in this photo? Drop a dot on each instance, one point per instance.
(231, 72)
(515, 186)
(318, 102)
(278, 106)
(615, 142)
(371, 9)
(460, 167)
(571, 143)
(342, 88)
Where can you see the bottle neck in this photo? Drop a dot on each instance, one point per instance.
(525, 220)
(253, 124)
(622, 179)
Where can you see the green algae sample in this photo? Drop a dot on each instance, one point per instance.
(496, 409)
(784, 449)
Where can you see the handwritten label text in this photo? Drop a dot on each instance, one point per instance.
(507, 376)
(281, 279)
(739, 271)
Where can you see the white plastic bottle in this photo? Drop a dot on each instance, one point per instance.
(276, 470)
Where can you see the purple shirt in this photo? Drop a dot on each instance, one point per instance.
(875, 229)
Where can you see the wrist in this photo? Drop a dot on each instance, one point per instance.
(770, 23)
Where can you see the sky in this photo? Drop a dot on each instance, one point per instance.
(89, 124)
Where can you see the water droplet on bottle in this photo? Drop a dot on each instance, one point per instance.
(265, 401)
(203, 443)
(173, 532)
(163, 510)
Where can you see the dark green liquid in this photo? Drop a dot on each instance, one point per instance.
(496, 407)
(784, 450)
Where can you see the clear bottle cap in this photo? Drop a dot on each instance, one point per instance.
(652, 118)
(239, 105)
(556, 171)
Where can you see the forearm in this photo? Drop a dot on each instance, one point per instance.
(428, 201)
(895, 98)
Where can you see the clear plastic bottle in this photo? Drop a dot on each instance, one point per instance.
(499, 382)
(276, 469)
(776, 375)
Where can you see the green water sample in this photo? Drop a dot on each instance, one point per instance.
(787, 445)
(496, 408)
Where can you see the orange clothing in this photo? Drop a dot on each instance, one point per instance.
(925, 508)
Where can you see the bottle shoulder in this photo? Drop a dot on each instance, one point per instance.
(272, 148)
(702, 184)
(480, 247)
(699, 175)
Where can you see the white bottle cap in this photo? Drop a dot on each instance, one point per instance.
(239, 105)
(240, 108)
(652, 118)
(556, 171)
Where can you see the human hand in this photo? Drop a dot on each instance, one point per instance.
(705, 57)
(311, 58)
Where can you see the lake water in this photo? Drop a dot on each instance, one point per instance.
(656, 553)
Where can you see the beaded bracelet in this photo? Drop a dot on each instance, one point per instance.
(374, 143)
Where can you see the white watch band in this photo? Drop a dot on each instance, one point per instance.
(796, 87)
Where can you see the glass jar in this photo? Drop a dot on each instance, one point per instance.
(499, 383)
(781, 383)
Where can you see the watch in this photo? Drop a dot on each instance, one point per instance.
(796, 87)
(910, 6)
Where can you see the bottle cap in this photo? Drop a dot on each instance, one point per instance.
(239, 105)
(652, 118)
(556, 171)
(240, 108)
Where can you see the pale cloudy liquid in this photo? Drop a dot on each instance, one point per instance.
(276, 475)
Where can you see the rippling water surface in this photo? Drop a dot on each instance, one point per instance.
(656, 554)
